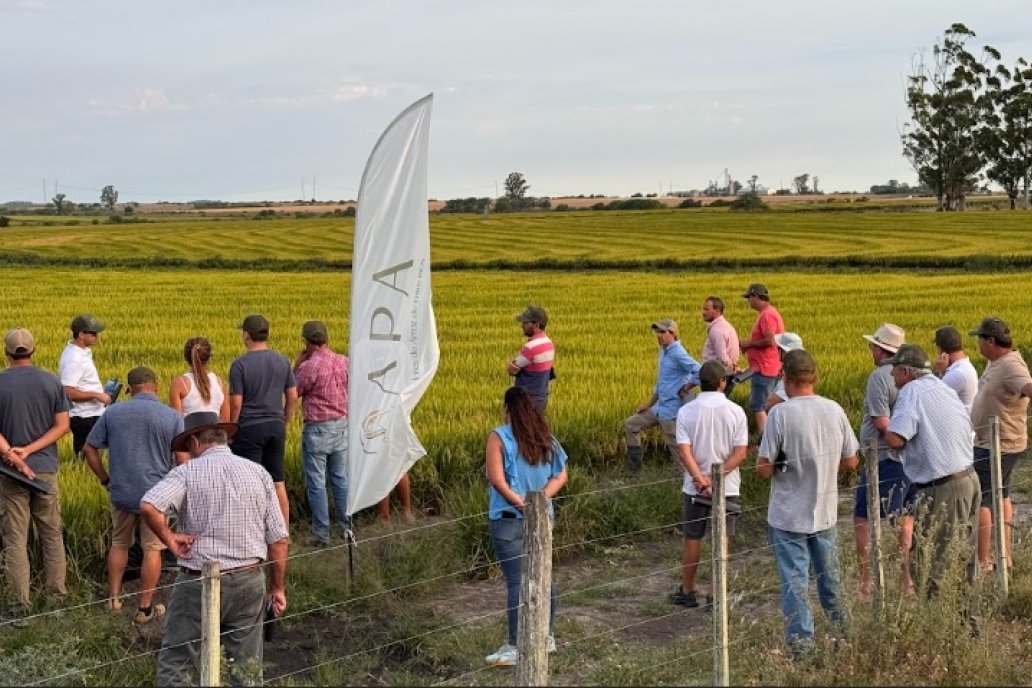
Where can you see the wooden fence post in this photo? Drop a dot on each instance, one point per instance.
(874, 525)
(211, 650)
(535, 593)
(999, 527)
(718, 514)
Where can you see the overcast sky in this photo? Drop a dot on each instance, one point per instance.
(241, 100)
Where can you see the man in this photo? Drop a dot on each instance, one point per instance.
(80, 379)
(33, 417)
(676, 371)
(532, 367)
(931, 427)
(807, 442)
(896, 493)
(262, 401)
(228, 513)
(786, 341)
(1003, 391)
(721, 338)
(322, 384)
(137, 435)
(954, 367)
(712, 429)
(761, 351)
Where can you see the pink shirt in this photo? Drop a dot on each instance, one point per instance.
(721, 343)
(766, 361)
(322, 384)
(537, 354)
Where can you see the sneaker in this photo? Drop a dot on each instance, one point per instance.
(550, 645)
(685, 599)
(141, 617)
(318, 542)
(505, 656)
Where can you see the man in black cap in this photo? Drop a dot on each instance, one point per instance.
(761, 350)
(262, 401)
(533, 366)
(1003, 391)
(228, 513)
(80, 379)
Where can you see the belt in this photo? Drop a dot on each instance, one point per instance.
(224, 572)
(947, 479)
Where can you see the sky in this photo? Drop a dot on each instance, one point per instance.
(258, 100)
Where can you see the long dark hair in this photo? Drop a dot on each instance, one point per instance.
(197, 352)
(529, 425)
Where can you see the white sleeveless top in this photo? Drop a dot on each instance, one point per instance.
(193, 403)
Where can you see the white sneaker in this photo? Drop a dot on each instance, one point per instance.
(505, 656)
(551, 644)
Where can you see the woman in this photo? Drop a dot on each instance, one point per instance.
(199, 390)
(522, 457)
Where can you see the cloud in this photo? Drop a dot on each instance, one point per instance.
(343, 92)
(144, 100)
(26, 7)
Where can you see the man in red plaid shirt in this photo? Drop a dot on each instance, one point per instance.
(322, 384)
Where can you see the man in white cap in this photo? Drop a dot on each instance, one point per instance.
(896, 491)
(786, 341)
(677, 370)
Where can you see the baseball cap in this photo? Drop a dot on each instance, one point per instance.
(788, 341)
(140, 375)
(756, 289)
(535, 314)
(665, 325)
(948, 339)
(712, 372)
(19, 341)
(990, 327)
(910, 355)
(889, 337)
(314, 331)
(797, 363)
(255, 324)
(86, 323)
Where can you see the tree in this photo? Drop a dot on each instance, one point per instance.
(59, 203)
(109, 196)
(801, 183)
(1007, 140)
(516, 187)
(748, 202)
(816, 184)
(948, 108)
(752, 183)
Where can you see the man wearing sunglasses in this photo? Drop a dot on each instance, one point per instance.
(80, 379)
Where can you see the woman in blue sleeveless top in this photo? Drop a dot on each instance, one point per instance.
(522, 457)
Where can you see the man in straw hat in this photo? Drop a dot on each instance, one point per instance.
(228, 513)
(896, 494)
(33, 417)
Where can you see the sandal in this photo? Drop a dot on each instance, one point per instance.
(146, 616)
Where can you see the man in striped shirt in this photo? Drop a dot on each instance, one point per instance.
(532, 367)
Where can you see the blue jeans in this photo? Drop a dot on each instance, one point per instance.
(507, 538)
(794, 553)
(324, 452)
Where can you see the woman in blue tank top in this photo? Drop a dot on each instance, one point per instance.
(522, 457)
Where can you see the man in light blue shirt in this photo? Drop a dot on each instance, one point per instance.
(677, 372)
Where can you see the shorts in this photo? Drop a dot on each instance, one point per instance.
(896, 491)
(983, 470)
(123, 531)
(263, 443)
(80, 427)
(761, 387)
(694, 517)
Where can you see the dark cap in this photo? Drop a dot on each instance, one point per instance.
(535, 314)
(194, 423)
(910, 355)
(797, 363)
(19, 342)
(255, 324)
(314, 332)
(141, 376)
(756, 289)
(991, 327)
(948, 339)
(86, 323)
(711, 373)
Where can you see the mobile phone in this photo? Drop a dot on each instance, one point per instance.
(269, 628)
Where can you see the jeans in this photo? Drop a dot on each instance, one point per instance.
(794, 553)
(507, 538)
(324, 452)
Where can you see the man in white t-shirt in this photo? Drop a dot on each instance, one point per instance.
(80, 379)
(954, 367)
(711, 429)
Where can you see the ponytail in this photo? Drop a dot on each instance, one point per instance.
(197, 352)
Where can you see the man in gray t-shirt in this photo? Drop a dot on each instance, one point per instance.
(138, 435)
(33, 417)
(806, 443)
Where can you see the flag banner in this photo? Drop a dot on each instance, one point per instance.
(393, 343)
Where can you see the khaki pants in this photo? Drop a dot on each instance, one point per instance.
(946, 512)
(19, 504)
(640, 422)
